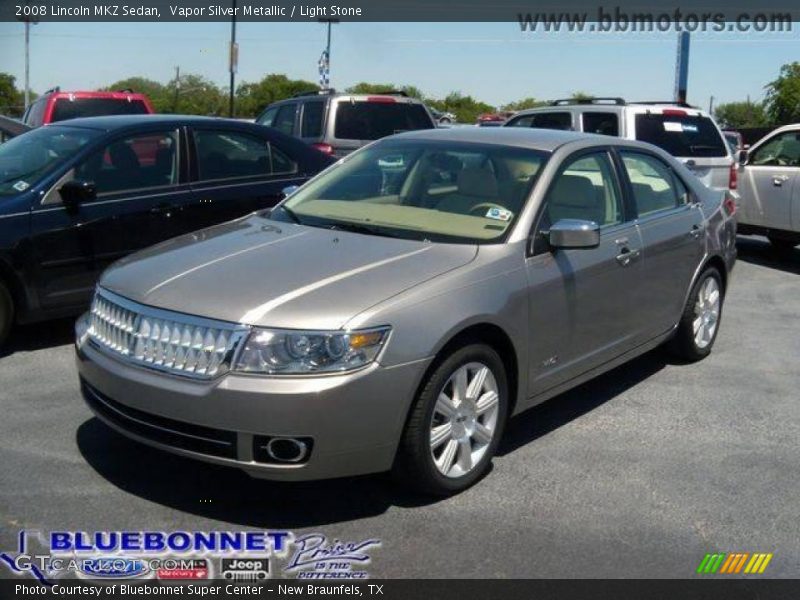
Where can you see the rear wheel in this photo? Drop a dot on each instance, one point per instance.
(6, 312)
(697, 329)
(456, 423)
(783, 246)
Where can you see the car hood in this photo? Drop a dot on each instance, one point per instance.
(262, 272)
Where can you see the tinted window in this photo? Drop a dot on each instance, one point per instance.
(312, 119)
(545, 120)
(681, 135)
(26, 159)
(781, 151)
(226, 155)
(93, 107)
(137, 162)
(374, 120)
(284, 119)
(654, 186)
(586, 189)
(601, 123)
(267, 118)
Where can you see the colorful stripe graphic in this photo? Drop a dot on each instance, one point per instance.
(732, 563)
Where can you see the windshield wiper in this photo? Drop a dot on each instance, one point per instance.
(360, 228)
(291, 214)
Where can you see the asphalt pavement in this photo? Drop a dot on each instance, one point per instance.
(638, 473)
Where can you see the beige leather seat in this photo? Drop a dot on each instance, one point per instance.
(475, 186)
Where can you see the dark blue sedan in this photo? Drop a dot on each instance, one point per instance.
(77, 195)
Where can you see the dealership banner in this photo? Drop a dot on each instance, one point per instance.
(546, 15)
(430, 589)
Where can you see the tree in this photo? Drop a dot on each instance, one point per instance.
(466, 108)
(783, 96)
(12, 100)
(195, 95)
(251, 98)
(740, 115)
(524, 103)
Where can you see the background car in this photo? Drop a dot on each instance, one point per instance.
(75, 196)
(10, 128)
(442, 118)
(337, 124)
(494, 117)
(769, 188)
(688, 133)
(399, 307)
(55, 105)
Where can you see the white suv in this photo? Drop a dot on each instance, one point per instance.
(686, 132)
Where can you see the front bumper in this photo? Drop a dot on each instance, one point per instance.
(354, 421)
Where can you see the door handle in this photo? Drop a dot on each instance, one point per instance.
(778, 180)
(696, 232)
(626, 256)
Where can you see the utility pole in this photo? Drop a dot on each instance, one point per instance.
(325, 78)
(234, 59)
(28, 20)
(711, 106)
(682, 68)
(177, 89)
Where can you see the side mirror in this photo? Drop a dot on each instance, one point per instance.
(289, 190)
(574, 233)
(742, 157)
(75, 192)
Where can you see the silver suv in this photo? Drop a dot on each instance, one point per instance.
(337, 124)
(686, 132)
(394, 311)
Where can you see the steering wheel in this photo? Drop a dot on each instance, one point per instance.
(483, 207)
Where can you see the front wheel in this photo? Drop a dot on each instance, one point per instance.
(697, 329)
(456, 423)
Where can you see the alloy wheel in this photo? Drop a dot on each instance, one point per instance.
(706, 313)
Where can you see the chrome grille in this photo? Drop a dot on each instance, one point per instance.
(162, 340)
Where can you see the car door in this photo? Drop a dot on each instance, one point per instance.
(138, 181)
(672, 229)
(583, 302)
(236, 172)
(768, 183)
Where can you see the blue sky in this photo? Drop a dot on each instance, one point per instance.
(494, 62)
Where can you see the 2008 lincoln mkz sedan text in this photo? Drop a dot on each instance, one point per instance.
(393, 312)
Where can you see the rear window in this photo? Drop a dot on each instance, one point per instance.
(681, 135)
(95, 107)
(374, 120)
(312, 119)
(549, 120)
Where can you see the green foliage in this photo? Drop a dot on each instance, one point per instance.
(580, 96)
(783, 96)
(12, 100)
(739, 115)
(466, 108)
(252, 98)
(377, 88)
(523, 104)
(158, 93)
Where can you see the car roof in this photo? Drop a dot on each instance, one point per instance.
(112, 122)
(546, 140)
(637, 107)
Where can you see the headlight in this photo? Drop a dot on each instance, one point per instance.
(285, 352)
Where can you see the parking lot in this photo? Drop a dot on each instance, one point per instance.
(636, 474)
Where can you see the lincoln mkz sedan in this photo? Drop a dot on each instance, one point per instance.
(393, 312)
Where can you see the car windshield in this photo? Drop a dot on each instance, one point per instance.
(65, 108)
(423, 190)
(28, 158)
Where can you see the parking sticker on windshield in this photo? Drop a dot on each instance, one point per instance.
(21, 186)
(500, 214)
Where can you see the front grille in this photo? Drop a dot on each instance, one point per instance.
(162, 340)
(197, 438)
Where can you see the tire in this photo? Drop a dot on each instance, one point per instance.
(688, 343)
(6, 313)
(783, 246)
(468, 428)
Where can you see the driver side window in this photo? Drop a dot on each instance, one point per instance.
(585, 189)
(781, 151)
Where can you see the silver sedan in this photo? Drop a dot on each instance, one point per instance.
(396, 310)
